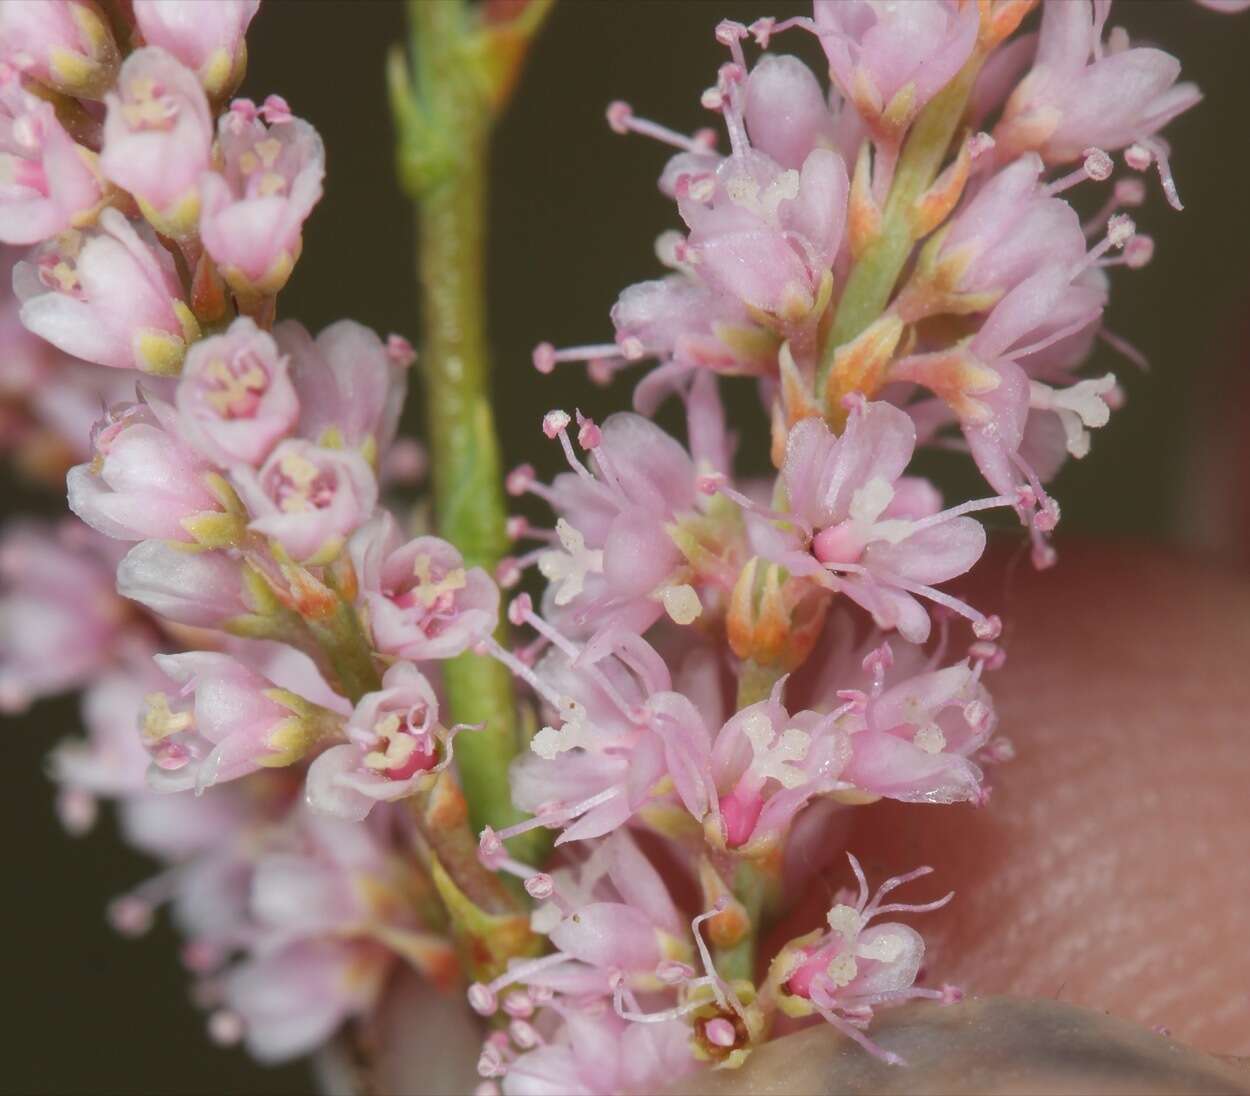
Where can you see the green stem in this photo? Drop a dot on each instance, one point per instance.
(757, 891)
(755, 682)
(347, 650)
(444, 149)
(874, 275)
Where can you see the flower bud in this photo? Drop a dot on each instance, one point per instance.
(238, 722)
(143, 482)
(207, 38)
(158, 138)
(308, 498)
(774, 618)
(64, 44)
(51, 183)
(201, 589)
(110, 296)
(235, 397)
(254, 209)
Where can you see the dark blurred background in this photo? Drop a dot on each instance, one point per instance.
(574, 214)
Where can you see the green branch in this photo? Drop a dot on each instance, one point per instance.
(444, 116)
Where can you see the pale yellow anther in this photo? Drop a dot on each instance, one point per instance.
(930, 739)
(844, 920)
(268, 150)
(249, 162)
(271, 183)
(233, 390)
(429, 590)
(842, 969)
(302, 473)
(159, 721)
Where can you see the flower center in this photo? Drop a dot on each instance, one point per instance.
(403, 751)
(147, 106)
(234, 388)
(298, 485)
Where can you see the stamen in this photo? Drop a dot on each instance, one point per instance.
(622, 120)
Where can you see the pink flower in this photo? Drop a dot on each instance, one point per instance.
(142, 481)
(878, 535)
(158, 138)
(915, 740)
(351, 387)
(598, 1052)
(765, 235)
(307, 498)
(207, 38)
(110, 762)
(1008, 230)
(238, 722)
(60, 620)
(856, 967)
(48, 182)
(254, 209)
(1081, 93)
(787, 114)
(235, 395)
(202, 589)
(292, 999)
(767, 765)
(395, 740)
(65, 44)
(630, 530)
(418, 598)
(110, 296)
(890, 59)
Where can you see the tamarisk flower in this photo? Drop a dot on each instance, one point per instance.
(64, 44)
(255, 206)
(60, 621)
(308, 498)
(418, 599)
(1082, 93)
(856, 967)
(201, 589)
(158, 136)
(890, 60)
(207, 38)
(235, 399)
(142, 481)
(394, 741)
(48, 182)
(109, 296)
(880, 537)
(351, 386)
(239, 722)
(635, 538)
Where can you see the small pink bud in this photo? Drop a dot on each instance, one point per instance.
(508, 572)
(225, 1028)
(990, 627)
(400, 351)
(1137, 157)
(1098, 165)
(482, 1000)
(540, 886)
(720, 1032)
(518, 481)
(520, 609)
(619, 114)
(519, 1004)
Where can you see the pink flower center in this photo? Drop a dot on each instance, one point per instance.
(148, 107)
(841, 543)
(800, 982)
(236, 387)
(740, 810)
(404, 747)
(297, 485)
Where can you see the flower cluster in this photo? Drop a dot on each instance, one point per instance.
(248, 622)
(720, 661)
